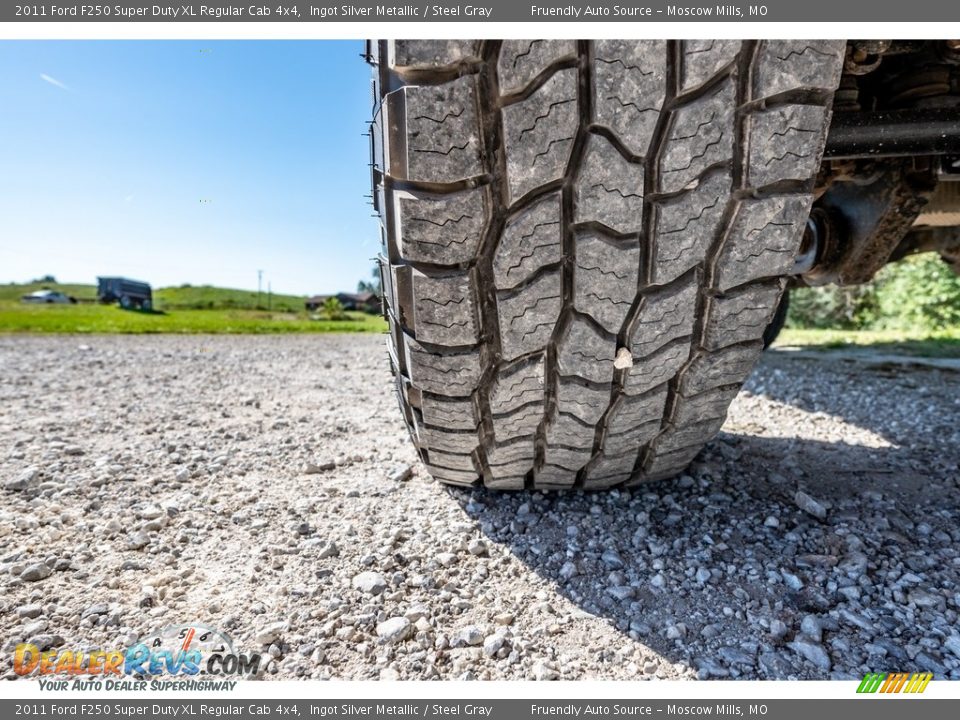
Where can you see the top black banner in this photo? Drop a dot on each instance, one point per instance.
(485, 11)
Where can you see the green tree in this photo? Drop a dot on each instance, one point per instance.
(333, 309)
(918, 292)
(372, 285)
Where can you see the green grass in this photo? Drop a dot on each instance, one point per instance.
(205, 297)
(920, 343)
(13, 291)
(202, 309)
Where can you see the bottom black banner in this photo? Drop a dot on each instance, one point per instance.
(890, 707)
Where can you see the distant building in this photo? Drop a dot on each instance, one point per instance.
(365, 302)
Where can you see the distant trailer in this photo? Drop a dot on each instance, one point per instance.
(128, 293)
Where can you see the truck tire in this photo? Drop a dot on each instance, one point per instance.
(584, 242)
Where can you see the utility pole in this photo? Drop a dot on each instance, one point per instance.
(269, 296)
(259, 285)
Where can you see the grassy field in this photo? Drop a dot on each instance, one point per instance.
(943, 344)
(185, 309)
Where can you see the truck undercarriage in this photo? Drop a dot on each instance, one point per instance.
(888, 185)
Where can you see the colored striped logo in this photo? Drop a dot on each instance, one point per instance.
(894, 682)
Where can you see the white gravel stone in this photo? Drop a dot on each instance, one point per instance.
(470, 635)
(395, 629)
(492, 644)
(369, 582)
(477, 548)
(270, 633)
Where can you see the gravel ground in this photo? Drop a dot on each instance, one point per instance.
(260, 485)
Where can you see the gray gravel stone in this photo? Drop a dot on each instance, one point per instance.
(811, 627)
(35, 572)
(23, 480)
(810, 505)
(813, 652)
(32, 610)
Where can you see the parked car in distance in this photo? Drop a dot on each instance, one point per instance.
(128, 293)
(48, 297)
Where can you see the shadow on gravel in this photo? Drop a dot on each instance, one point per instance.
(720, 568)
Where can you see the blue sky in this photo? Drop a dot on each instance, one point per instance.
(186, 162)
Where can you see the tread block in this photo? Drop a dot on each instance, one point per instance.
(569, 430)
(443, 141)
(630, 440)
(665, 315)
(429, 54)
(517, 423)
(573, 459)
(635, 410)
(454, 374)
(728, 366)
(539, 134)
(790, 64)
(528, 316)
(686, 226)
(452, 461)
(453, 477)
(441, 229)
(702, 59)
(508, 453)
(506, 483)
(517, 385)
(630, 80)
(659, 367)
(585, 351)
(708, 405)
(452, 413)
(530, 240)
(605, 279)
(459, 443)
(521, 61)
(742, 315)
(609, 188)
(553, 477)
(584, 401)
(679, 437)
(609, 470)
(444, 311)
(666, 465)
(701, 135)
(510, 462)
(764, 239)
(786, 143)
